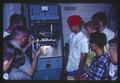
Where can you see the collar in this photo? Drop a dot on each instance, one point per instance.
(101, 54)
(79, 33)
(16, 44)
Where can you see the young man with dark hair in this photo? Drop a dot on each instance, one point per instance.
(102, 19)
(99, 67)
(15, 20)
(78, 44)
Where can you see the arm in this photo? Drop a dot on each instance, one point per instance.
(7, 64)
(82, 62)
(81, 66)
(8, 56)
(34, 63)
(83, 46)
(29, 43)
(66, 52)
(65, 59)
(67, 49)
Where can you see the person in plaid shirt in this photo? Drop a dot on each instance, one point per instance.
(100, 66)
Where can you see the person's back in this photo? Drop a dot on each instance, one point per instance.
(109, 33)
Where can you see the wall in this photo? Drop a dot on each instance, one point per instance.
(84, 10)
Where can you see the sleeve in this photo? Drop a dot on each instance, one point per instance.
(84, 46)
(70, 37)
(110, 35)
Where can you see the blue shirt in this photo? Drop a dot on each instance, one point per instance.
(99, 68)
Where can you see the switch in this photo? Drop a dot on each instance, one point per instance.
(48, 66)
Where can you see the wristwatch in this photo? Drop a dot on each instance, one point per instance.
(5, 76)
(86, 75)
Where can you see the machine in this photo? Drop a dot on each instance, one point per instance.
(45, 25)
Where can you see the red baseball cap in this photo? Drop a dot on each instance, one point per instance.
(74, 20)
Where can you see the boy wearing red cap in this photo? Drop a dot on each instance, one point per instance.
(78, 44)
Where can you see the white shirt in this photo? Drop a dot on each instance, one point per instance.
(85, 32)
(109, 33)
(5, 33)
(113, 71)
(78, 45)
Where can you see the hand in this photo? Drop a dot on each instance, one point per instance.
(38, 52)
(77, 76)
(82, 77)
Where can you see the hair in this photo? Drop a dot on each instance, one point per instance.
(16, 18)
(113, 41)
(18, 31)
(100, 16)
(98, 38)
(8, 50)
(94, 25)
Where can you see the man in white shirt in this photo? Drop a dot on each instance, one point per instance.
(102, 19)
(78, 47)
